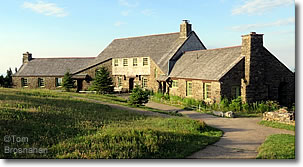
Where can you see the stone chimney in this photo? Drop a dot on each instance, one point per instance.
(27, 57)
(185, 29)
(254, 76)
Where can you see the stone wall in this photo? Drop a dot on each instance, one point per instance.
(50, 82)
(281, 115)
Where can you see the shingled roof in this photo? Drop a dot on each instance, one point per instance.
(160, 48)
(209, 64)
(52, 66)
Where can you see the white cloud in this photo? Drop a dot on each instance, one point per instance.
(148, 12)
(262, 25)
(48, 9)
(119, 23)
(259, 7)
(128, 4)
(125, 12)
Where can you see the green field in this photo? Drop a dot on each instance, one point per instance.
(66, 127)
(279, 146)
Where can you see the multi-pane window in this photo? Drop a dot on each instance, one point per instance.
(125, 62)
(235, 91)
(175, 84)
(41, 82)
(189, 88)
(144, 82)
(116, 62)
(135, 62)
(207, 91)
(58, 82)
(24, 82)
(119, 81)
(145, 61)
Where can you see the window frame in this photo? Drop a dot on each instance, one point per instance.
(235, 91)
(207, 90)
(175, 84)
(135, 63)
(145, 63)
(144, 82)
(119, 82)
(40, 85)
(189, 90)
(23, 83)
(57, 82)
(116, 62)
(125, 62)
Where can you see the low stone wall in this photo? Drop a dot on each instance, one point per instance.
(281, 115)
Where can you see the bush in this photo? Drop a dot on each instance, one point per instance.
(236, 104)
(102, 83)
(138, 96)
(224, 104)
(68, 82)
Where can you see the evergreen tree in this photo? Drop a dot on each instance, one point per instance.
(102, 83)
(1, 81)
(68, 82)
(8, 81)
(138, 96)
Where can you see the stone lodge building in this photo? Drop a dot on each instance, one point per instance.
(174, 63)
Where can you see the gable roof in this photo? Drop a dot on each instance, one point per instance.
(160, 48)
(209, 64)
(52, 66)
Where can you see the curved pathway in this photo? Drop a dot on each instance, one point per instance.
(241, 139)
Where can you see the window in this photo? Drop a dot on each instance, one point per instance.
(24, 82)
(41, 82)
(119, 81)
(125, 62)
(58, 82)
(189, 88)
(175, 84)
(135, 62)
(207, 91)
(156, 72)
(145, 61)
(144, 82)
(116, 62)
(235, 91)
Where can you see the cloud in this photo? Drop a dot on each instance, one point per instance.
(119, 23)
(128, 4)
(259, 7)
(148, 12)
(125, 12)
(48, 9)
(262, 25)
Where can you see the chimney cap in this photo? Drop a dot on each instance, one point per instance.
(185, 21)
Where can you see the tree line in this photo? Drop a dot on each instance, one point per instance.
(7, 81)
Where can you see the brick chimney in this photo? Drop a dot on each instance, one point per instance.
(185, 29)
(27, 57)
(254, 76)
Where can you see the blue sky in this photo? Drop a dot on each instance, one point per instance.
(77, 28)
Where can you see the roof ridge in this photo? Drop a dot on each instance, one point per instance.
(147, 35)
(65, 58)
(215, 48)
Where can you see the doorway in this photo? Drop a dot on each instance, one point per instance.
(79, 84)
(131, 84)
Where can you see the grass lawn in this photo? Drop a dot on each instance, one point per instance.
(277, 125)
(71, 128)
(280, 146)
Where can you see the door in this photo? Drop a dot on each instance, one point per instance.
(79, 84)
(131, 84)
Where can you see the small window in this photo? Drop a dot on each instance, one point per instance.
(145, 61)
(125, 62)
(189, 88)
(58, 82)
(175, 84)
(235, 91)
(24, 82)
(116, 62)
(119, 81)
(144, 82)
(156, 72)
(41, 82)
(135, 62)
(207, 91)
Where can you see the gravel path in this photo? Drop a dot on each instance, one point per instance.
(241, 139)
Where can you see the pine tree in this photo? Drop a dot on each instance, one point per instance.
(138, 96)
(68, 82)
(1, 81)
(102, 83)
(8, 80)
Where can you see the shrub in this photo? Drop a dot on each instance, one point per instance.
(68, 82)
(224, 104)
(102, 83)
(236, 104)
(138, 96)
